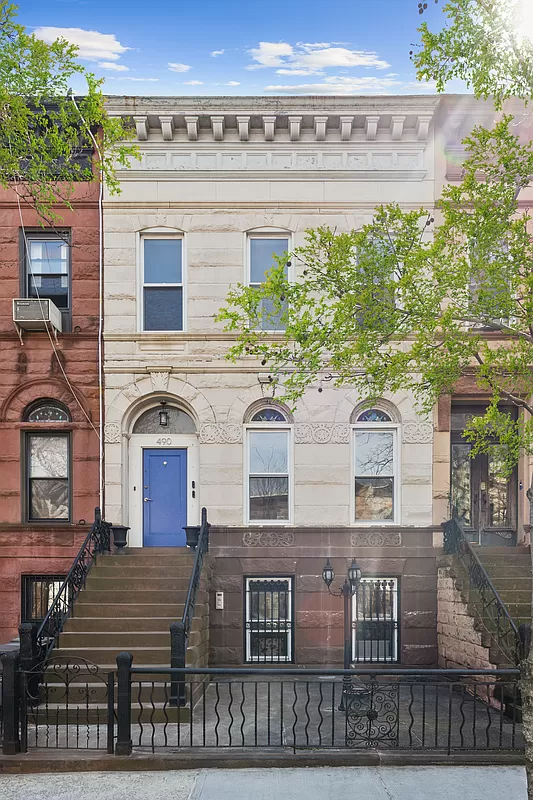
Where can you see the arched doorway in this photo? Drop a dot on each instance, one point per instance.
(163, 468)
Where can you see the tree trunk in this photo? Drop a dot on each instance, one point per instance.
(526, 677)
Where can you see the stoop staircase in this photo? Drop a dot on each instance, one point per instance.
(129, 603)
(510, 572)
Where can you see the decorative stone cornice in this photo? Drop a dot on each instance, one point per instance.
(281, 119)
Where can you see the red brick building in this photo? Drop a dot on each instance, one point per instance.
(49, 398)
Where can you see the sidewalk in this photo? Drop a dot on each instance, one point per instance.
(364, 783)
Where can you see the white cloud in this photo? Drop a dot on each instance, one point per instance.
(270, 54)
(193, 83)
(420, 86)
(311, 59)
(215, 53)
(93, 46)
(339, 85)
(232, 83)
(175, 67)
(142, 80)
(115, 67)
(298, 72)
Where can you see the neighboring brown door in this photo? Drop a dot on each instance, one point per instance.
(485, 501)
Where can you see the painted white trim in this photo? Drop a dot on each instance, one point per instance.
(141, 236)
(376, 426)
(290, 627)
(271, 427)
(394, 655)
(267, 233)
(141, 441)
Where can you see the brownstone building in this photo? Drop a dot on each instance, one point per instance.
(49, 398)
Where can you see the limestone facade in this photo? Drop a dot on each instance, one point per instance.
(213, 173)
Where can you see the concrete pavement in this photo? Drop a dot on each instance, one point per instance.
(322, 783)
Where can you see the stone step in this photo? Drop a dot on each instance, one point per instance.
(97, 714)
(134, 609)
(509, 584)
(111, 597)
(517, 550)
(123, 624)
(137, 583)
(133, 569)
(81, 693)
(142, 656)
(509, 571)
(121, 640)
(150, 555)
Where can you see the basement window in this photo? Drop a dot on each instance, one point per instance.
(38, 593)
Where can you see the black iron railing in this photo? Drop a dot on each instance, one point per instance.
(492, 611)
(201, 549)
(97, 541)
(77, 706)
(179, 631)
(297, 709)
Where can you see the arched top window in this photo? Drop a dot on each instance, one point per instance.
(374, 415)
(47, 411)
(165, 419)
(268, 415)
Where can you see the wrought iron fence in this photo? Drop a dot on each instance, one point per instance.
(439, 710)
(67, 705)
(493, 613)
(97, 541)
(73, 705)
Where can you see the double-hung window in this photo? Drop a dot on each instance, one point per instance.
(47, 465)
(162, 278)
(268, 456)
(47, 271)
(269, 620)
(375, 468)
(262, 251)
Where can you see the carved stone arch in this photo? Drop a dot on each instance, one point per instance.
(269, 229)
(153, 400)
(145, 391)
(382, 405)
(52, 388)
(160, 229)
(243, 401)
(265, 402)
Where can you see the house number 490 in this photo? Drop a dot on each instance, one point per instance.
(166, 440)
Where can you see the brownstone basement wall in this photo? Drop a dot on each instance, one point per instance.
(407, 554)
(460, 644)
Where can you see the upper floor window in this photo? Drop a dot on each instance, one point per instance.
(47, 271)
(268, 454)
(375, 467)
(262, 250)
(48, 476)
(162, 279)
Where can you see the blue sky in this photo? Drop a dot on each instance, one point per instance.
(233, 47)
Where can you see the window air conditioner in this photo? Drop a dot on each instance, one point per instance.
(34, 315)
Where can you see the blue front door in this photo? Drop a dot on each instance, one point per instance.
(164, 497)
